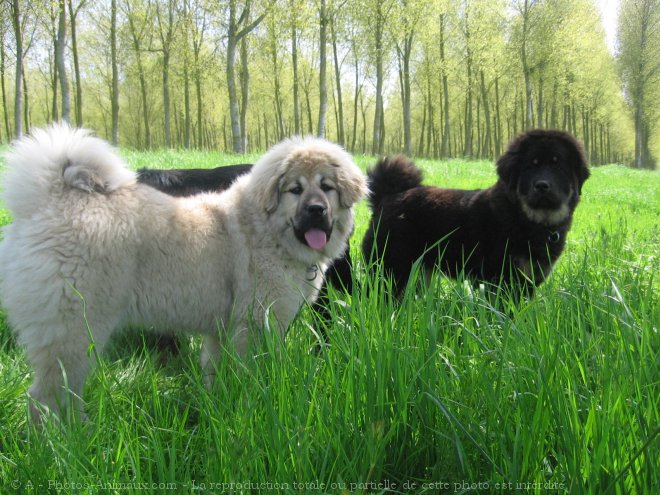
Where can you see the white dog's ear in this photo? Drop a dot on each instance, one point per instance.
(84, 179)
(351, 186)
(269, 194)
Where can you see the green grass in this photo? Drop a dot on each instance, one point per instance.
(439, 393)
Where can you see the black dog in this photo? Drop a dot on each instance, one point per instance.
(187, 182)
(510, 233)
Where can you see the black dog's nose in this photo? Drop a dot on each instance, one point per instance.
(316, 210)
(541, 186)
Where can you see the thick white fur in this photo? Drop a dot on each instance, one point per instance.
(91, 250)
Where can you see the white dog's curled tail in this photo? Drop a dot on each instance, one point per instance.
(48, 161)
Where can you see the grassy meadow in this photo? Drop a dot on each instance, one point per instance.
(441, 392)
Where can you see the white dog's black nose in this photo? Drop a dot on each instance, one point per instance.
(542, 186)
(315, 209)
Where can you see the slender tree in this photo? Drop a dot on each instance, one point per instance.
(138, 23)
(18, 86)
(239, 26)
(74, 10)
(166, 27)
(295, 6)
(198, 30)
(114, 92)
(3, 61)
(60, 46)
(445, 144)
(323, 90)
(244, 78)
(341, 137)
(639, 62)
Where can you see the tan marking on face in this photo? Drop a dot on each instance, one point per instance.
(546, 216)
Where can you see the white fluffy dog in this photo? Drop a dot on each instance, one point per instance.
(90, 249)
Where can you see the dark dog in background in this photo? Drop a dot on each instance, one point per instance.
(509, 234)
(187, 182)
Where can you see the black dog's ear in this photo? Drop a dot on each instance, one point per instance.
(578, 159)
(582, 169)
(507, 165)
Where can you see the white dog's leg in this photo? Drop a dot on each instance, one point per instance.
(211, 351)
(239, 339)
(210, 357)
(59, 375)
(60, 369)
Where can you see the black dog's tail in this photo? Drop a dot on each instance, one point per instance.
(392, 176)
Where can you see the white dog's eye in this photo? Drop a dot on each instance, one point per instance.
(326, 187)
(297, 190)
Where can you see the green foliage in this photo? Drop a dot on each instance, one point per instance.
(444, 391)
(573, 84)
(639, 65)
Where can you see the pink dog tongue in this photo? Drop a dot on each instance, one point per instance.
(316, 239)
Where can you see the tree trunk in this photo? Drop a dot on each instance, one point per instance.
(498, 120)
(18, 86)
(431, 126)
(279, 117)
(639, 137)
(114, 96)
(198, 30)
(235, 33)
(310, 126)
(486, 145)
(420, 143)
(444, 145)
(145, 104)
(5, 110)
(539, 106)
(54, 111)
(378, 113)
(404, 56)
(198, 95)
(166, 99)
(26, 100)
(60, 46)
(526, 70)
(237, 141)
(467, 150)
(244, 77)
(187, 124)
(166, 32)
(73, 13)
(355, 97)
(323, 91)
(378, 132)
(553, 110)
(294, 60)
(341, 138)
(363, 111)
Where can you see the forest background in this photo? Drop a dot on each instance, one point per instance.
(429, 78)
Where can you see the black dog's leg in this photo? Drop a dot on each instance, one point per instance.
(339, 276)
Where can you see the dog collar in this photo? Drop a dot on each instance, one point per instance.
(311, 273)
(553, 236)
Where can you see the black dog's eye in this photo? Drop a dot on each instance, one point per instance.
(554, 159)
(535, 161)
(326, 187)
(297, 190)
